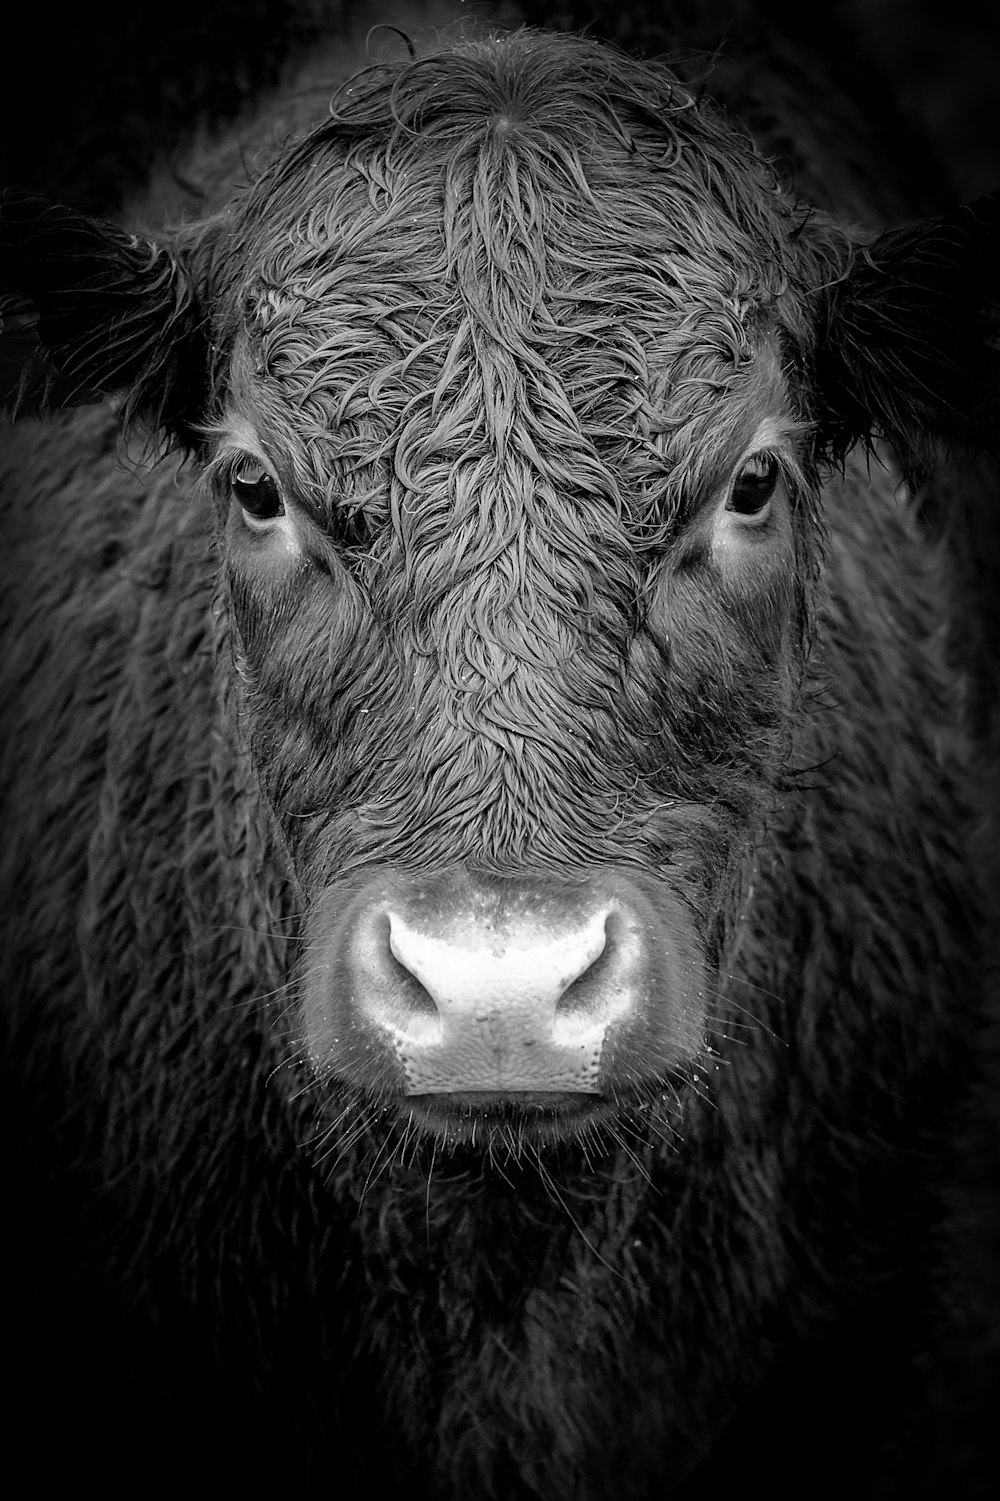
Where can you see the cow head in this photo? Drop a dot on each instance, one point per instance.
(512, 381)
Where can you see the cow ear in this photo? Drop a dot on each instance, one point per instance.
(909, 342)
(89, 310)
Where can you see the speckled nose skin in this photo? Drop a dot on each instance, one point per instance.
(452, 987)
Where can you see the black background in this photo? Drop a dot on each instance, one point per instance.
(91, 95)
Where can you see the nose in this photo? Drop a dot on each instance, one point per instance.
(509, 1006)
(449, 985)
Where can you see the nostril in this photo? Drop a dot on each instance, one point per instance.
(418, 997)
(604, 991)
(578, 997)
(404, 958)
(578, 992)
(386, 990)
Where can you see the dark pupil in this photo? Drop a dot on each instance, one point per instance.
(258, 496)
(755, 486)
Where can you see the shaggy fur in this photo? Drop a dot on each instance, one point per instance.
(504, 324)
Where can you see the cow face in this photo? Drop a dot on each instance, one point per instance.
(521, 368)
(516, 518)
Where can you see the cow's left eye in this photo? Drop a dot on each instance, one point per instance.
(256, 491)
(753, 487)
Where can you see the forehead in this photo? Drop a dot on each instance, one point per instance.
(518, 245)
(524, 178)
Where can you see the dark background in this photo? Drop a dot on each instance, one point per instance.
(92, 95)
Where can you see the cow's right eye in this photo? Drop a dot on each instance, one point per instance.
(256, 491)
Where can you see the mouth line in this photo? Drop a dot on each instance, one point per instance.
(523, 1118)
(490, 1102)
(491, 1127)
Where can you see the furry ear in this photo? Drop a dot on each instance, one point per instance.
(88, 310)
(909, 341)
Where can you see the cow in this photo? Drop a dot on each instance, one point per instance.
(489, 780)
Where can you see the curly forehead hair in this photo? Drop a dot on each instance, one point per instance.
(497, 321)
(524, 255)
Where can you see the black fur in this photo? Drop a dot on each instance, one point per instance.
(503, 326)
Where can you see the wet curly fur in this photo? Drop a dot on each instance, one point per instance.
(500, 472)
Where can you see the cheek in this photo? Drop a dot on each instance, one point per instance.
(266, 605)
(313, 661)
(754, 578)
(310, 669)
(735, 623)
(728, 645)
(295, 616)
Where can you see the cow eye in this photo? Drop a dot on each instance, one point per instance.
(256, 491)
(754, 486)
